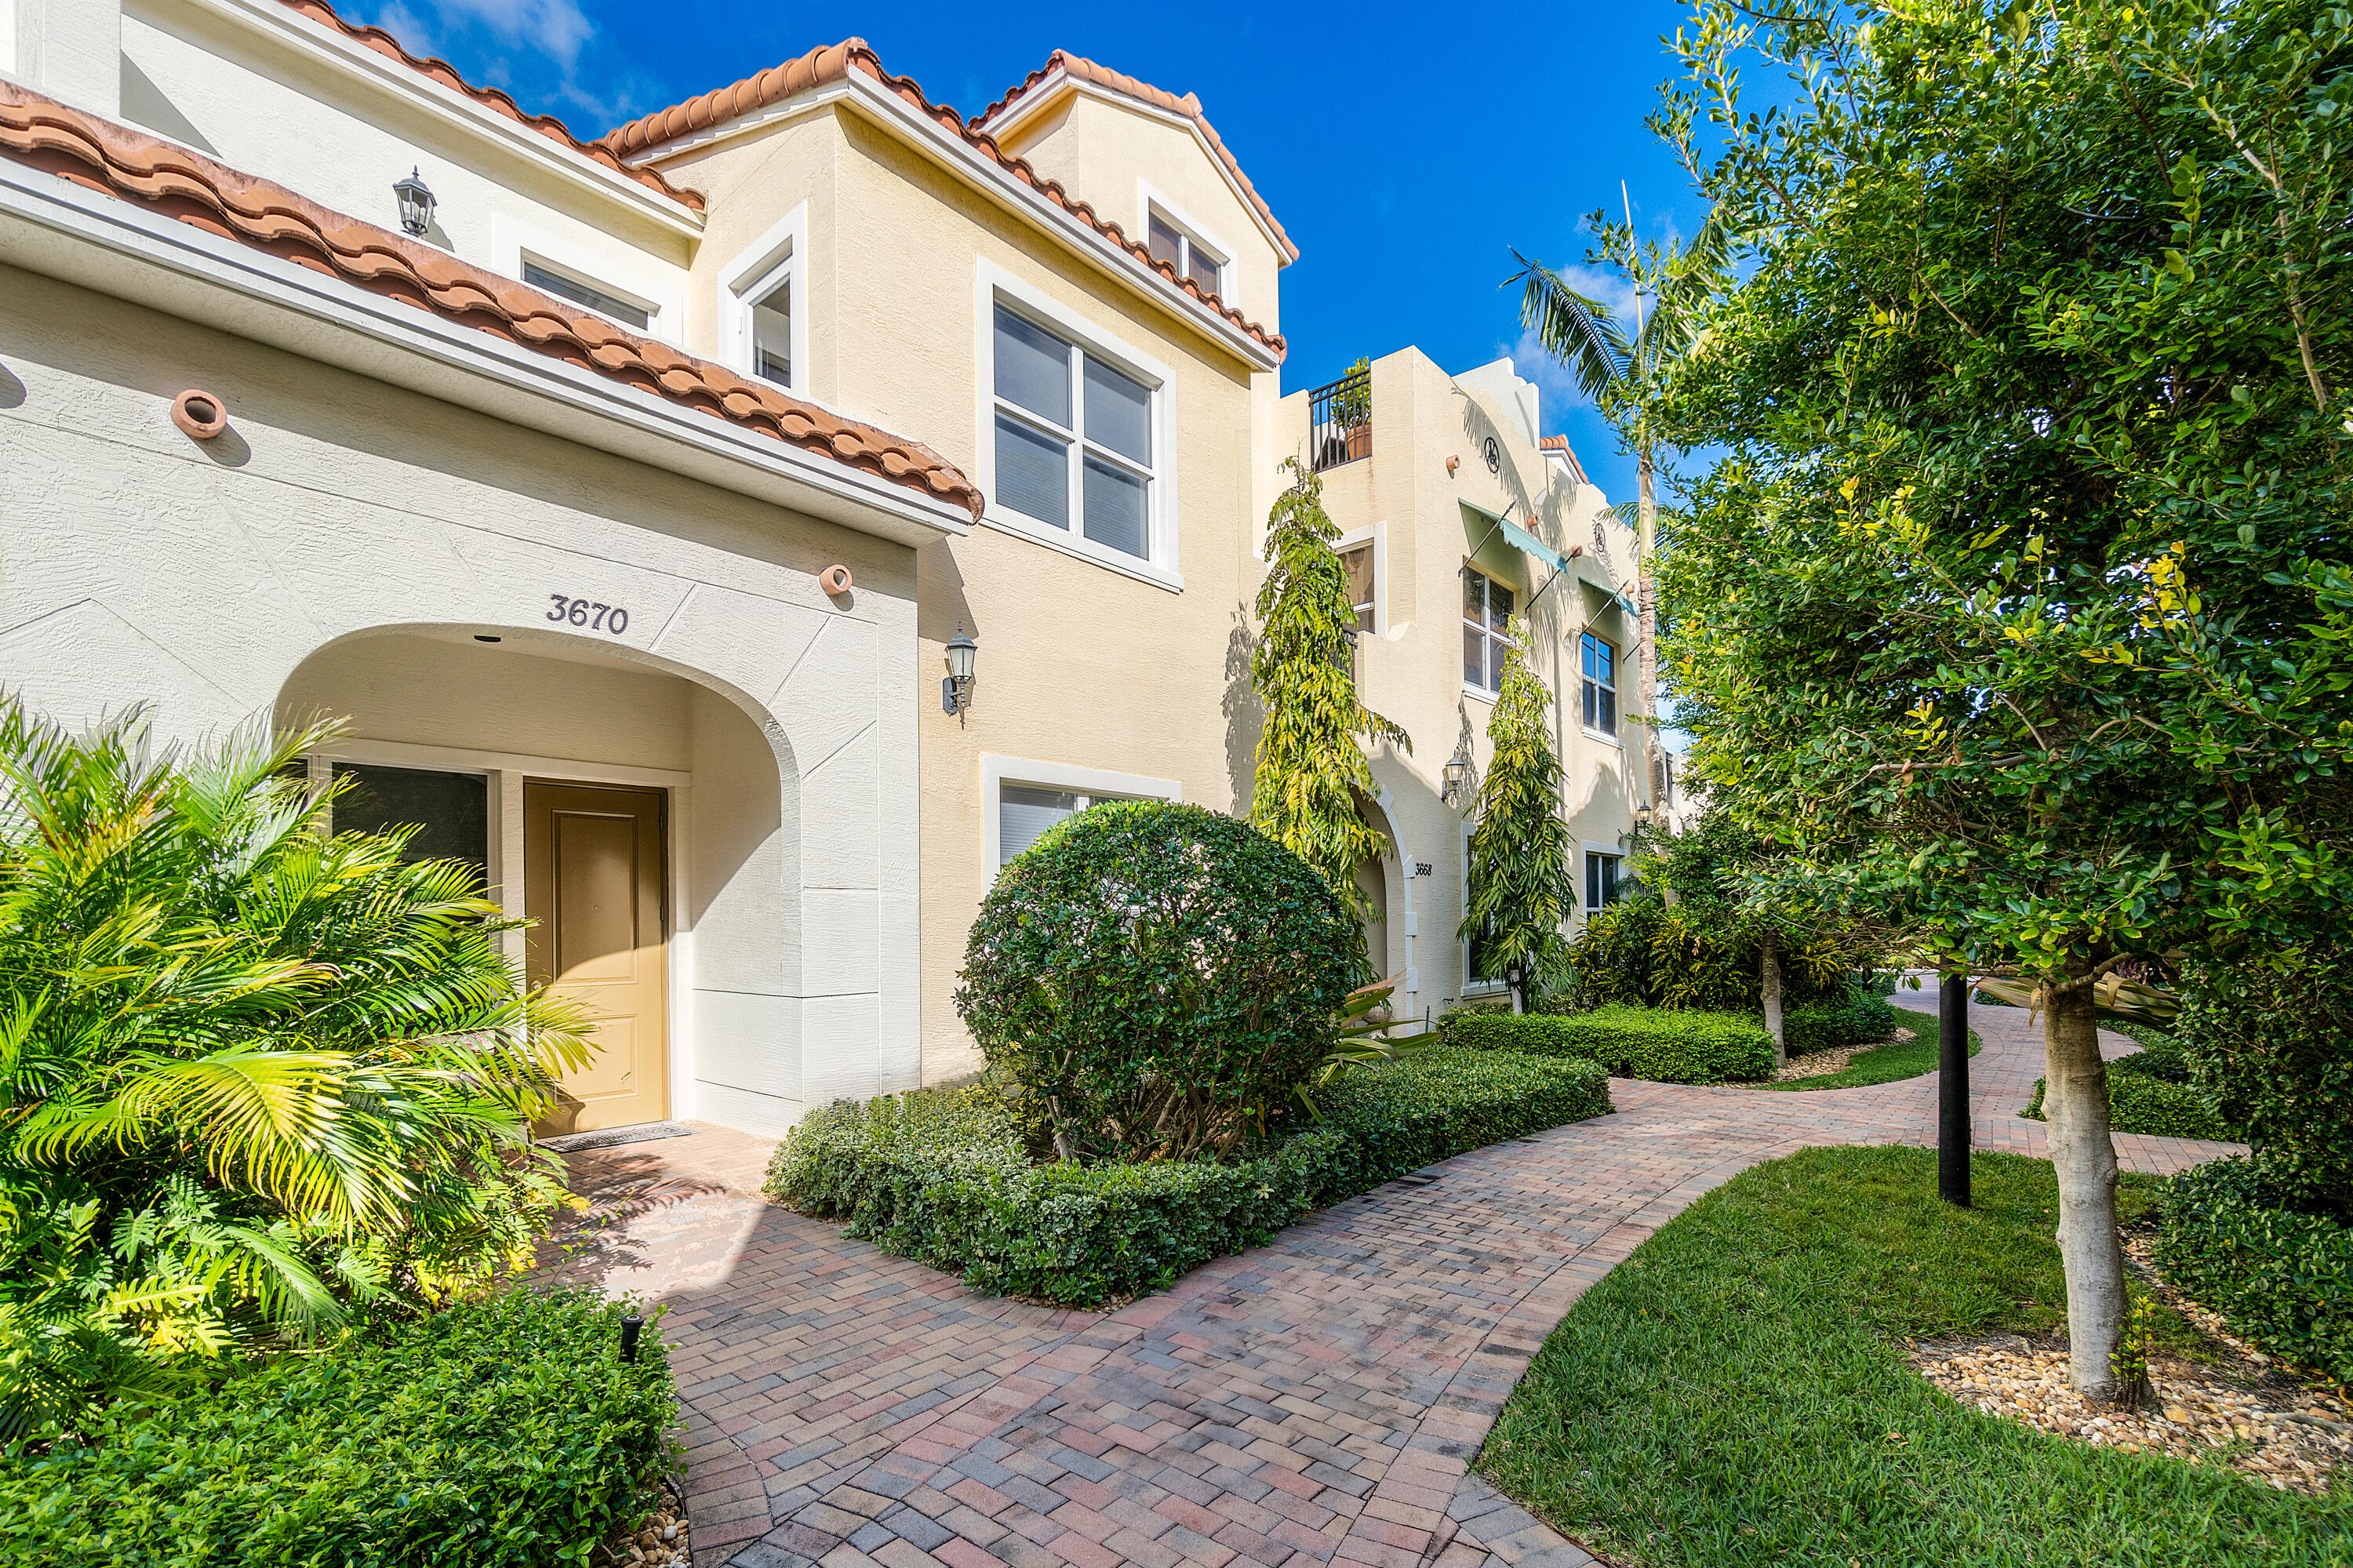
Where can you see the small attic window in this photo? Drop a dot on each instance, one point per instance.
(1190, 256)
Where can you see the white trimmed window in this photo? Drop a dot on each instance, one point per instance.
(629, 311)
(1487, 608)
(1024, 798)
(1025, 812)
(1076, 438)
(1598, 665)
(763, 306)
(770, 302)
(1601, 874)
(1170, 241)
(1357, 561)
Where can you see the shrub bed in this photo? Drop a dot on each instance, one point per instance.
(1665, 1045)
(2150, 1092)
(939, 1176)
(506, 1432)
(1861, 1019)
(2281, 1278)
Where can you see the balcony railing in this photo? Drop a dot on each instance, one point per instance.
(1340, 422)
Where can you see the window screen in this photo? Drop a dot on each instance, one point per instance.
(451, 811)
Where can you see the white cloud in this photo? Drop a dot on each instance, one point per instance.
(558, 28)
(1553, 378)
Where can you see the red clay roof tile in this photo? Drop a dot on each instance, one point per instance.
(135, 166)
(834, 62)
(1560, 444)
(1080, 69)
(445, 73)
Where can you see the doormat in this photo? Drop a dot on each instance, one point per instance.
(613, 1137)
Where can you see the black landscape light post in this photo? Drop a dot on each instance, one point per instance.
(1952, 1090)
(631, 1327)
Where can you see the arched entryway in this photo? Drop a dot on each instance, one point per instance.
(645, 816)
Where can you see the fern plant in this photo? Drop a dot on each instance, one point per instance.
(253, 1079)
(1314, 768)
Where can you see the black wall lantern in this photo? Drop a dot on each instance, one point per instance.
(1458, 775)
(417, 203)
(956, 687)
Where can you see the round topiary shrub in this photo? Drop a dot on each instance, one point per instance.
(1156, 980)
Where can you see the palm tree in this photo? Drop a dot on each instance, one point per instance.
(1618, 373)
(250, 1074)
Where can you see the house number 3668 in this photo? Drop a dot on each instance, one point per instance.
(596, 616)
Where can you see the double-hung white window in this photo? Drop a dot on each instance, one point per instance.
(1599, 662)
(1074, 438)
(1486, 617)
(770, 301)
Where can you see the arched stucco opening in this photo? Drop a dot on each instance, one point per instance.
(542, 717)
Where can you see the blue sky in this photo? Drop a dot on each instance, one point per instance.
(1407, 149)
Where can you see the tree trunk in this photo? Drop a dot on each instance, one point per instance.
(1646, 605)
(1769, 982)
(2075, 1098)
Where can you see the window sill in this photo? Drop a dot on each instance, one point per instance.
(1594, 734)
(1481, 694)
(1077, 546)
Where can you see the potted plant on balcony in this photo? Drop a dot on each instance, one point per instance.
(1352, 408)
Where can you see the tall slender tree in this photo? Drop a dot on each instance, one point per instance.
(1523, 869)
(1315, 765)
(1621, 372)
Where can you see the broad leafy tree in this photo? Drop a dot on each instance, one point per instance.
(2020, 602)
(1315, 766)
(1523, 866)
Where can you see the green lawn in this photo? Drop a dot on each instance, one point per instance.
(1884, 1063)
(1733, 1394)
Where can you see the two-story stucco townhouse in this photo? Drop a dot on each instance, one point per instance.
(1464, 532)
(627, 497)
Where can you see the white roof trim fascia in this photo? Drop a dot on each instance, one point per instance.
(349, 58)
(918, 128)
(1035, 101)
(272, 300)
(991, 176)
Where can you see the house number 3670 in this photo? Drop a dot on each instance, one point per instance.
(596, 616)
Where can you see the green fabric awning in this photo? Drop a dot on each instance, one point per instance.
(1530, 545)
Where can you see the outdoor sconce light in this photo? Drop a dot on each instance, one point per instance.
(417, 203)
(1458, 775)
(1641, 816)
(956, 687)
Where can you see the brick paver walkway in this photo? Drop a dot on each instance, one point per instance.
(1313, 1402)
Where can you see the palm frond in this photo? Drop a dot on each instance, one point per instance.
(1573, 327)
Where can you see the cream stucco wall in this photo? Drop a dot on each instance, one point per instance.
(243, 91)
(138, 565)
(1403, 498)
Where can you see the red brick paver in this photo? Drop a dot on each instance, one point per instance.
(1314, 1402)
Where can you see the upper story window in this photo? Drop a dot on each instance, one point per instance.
(1601, 874)
(1356, 560)
(1486, 616)
(771, 304)
(580, 291)
(1191, 258)
(1597, 661)
(763, 305)
(1074, 443)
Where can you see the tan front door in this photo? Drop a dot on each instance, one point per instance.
(594, 871)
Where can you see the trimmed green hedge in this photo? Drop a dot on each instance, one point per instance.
(2150, 1092)
(1665, 1045)
(1863, 1019)
(503, 1432)
(2282, 1279)
(939, 1176)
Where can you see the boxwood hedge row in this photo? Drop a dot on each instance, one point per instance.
(2281, 1278)
(504, 1432)
(2150, 1092)
(939, 1176)
(1863, 1019)
(1669, 1046)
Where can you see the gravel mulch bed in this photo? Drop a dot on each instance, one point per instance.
(1822, 1063)
(659, 1542)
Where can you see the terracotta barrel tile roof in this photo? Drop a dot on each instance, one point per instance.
(445, 73)
(135, 166)
(1080, 69)
(834, 62)
(1560, 444)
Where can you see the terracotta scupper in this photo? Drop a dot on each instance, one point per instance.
(1079, 68)
(491, 97)
(135, 166)
(834, 62)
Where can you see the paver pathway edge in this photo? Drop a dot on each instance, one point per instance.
(1316, 1400)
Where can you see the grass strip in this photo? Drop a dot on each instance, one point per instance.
(1887, 1063)
(1734, 1394)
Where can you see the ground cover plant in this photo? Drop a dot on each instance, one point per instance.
(943, 1175)
(1670, 1045)
(495, 1435)
(262, 1085)
(1735, 1393)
